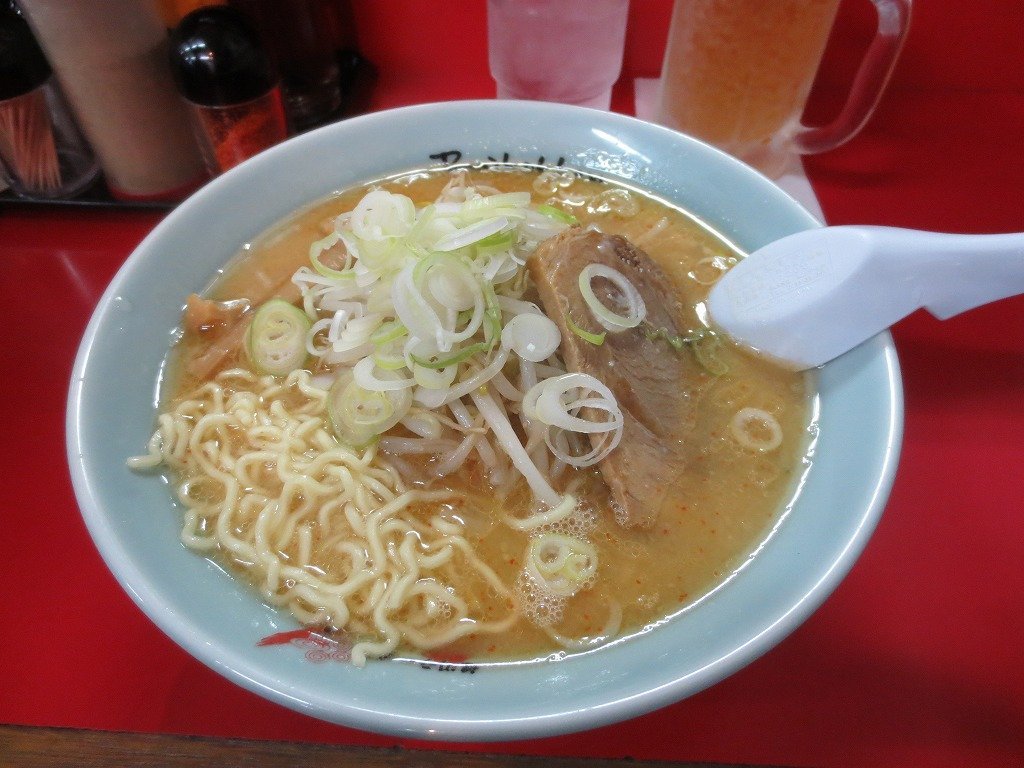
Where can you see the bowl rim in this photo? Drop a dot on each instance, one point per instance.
(138, 579)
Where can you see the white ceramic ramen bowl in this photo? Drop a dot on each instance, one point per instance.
(219, 620)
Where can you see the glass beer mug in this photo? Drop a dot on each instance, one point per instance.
(737, 74)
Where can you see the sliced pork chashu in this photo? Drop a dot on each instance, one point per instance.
(646, 374)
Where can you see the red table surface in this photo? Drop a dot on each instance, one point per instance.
(914, 660)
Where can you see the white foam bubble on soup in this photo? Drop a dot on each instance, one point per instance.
(540, 604)
(541, 607)
(580, 524)
(621, 516)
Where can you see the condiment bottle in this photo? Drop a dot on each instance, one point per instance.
(110, 57)
(42, 152)
(174, 11)
(302, 35)
(230, 84)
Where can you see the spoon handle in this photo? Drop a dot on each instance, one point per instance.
(955, 273)
(809, 297)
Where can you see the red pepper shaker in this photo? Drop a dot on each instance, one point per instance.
(231, 84)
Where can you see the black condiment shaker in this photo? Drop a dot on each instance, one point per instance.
(231, 84)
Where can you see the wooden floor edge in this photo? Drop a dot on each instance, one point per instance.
(38, 746)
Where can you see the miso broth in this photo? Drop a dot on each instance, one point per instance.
(717, 513)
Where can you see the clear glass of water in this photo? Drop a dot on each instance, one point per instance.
(557, 50)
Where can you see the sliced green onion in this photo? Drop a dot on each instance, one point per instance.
(389, 362)
(388, 331)
(597, 339)
(474, 233)
(500, 200)
(675, 341)
(504, 204)
(425, 220)
(756, 429)
(561, 564)
(364, 373)
(450, 281)
(556, 402)
(437, 379)
(382, 215)
(557, 214)
(636, 311)
(318, 248)
(499, 241)
(358, 416)
(424, 265)
(437, 362)
(389, 357)
(705, 349)
(704, 343)
(389, 341)
(276, 339)
(411, 306)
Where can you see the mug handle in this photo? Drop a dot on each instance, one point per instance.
(874, 73)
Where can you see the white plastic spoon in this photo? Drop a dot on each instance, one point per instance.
(809, 297)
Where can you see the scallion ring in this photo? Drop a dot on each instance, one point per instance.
(358, 416)
(276, 339)
(363, 373)
(317, 248)
(636, 311)
(449, 358)
(756, 429)
(561, 564)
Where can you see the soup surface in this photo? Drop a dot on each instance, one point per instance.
(420, 541)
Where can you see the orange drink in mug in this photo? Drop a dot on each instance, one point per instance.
(737, 74)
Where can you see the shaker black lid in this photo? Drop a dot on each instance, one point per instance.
(217, 58)
(23, 67)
